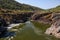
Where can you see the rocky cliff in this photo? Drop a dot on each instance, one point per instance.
(15, 18)
(55, 27)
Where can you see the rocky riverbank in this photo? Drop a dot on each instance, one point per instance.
(46, 18)
(55, 27)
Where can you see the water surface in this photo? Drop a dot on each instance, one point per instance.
(30, 31)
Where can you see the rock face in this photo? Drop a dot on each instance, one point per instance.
(7, 18)
(14, 18)
(43, 17)
(55, 27)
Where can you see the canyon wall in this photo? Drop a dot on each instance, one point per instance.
(15, 18)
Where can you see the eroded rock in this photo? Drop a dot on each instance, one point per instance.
(55, 27)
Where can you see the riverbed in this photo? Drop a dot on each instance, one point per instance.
(32, 32)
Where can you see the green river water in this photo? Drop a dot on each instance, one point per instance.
(33, 31)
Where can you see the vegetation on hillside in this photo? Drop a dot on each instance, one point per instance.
(14, 5)
(56, 9)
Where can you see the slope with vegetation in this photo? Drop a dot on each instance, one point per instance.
(56, 9)
(13, 5)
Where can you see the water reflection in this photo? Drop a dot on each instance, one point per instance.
(7, 34)
(35, 29)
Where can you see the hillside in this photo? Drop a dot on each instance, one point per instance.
(56, 9)
(14, 5)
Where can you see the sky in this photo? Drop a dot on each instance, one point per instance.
(44, 4)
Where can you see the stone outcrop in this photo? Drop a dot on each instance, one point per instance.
(6, 19)
(55, 27)
(43, 17)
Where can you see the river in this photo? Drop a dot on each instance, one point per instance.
(30, 32)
